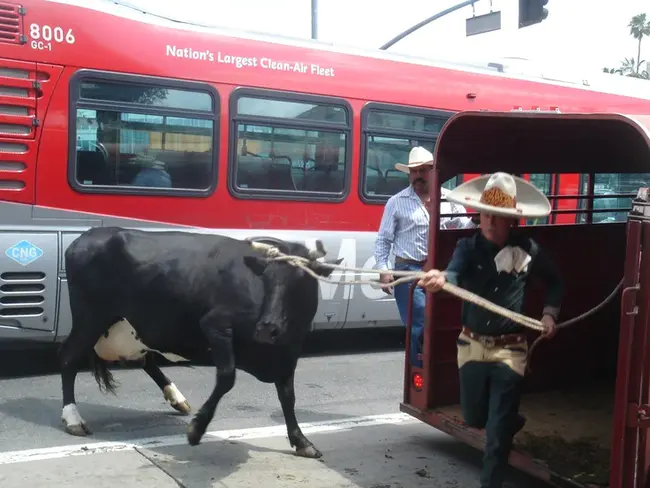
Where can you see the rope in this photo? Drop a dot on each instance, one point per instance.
(578, 318)
(408, 276)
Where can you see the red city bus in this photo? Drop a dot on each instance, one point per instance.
(586, 397)
(170, 125)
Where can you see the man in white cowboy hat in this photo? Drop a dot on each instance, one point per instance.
(496, 264)
(405, 228)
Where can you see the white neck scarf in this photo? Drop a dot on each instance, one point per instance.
(512, 260)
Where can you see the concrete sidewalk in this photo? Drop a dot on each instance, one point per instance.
(387, 456)
(109, 470)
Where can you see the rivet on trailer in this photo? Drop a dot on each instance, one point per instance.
(587, 394)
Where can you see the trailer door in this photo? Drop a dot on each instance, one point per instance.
(630, 458)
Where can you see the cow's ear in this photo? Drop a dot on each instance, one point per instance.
(255, 264)
(325, 271)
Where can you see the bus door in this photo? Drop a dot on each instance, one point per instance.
(29, 259)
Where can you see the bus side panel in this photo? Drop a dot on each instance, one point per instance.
(333, 303)
(28, 282)
(63, 315)
(47, 78)
(19, 130)
(25, 93)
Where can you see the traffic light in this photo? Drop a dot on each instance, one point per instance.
(531, 12)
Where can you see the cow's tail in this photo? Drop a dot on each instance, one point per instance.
(103, 376)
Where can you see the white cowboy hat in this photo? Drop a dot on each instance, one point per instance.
(417, 157)
(501, 194)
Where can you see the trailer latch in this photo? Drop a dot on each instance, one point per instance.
(638, 416)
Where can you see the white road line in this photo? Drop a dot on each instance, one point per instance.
(58, 452)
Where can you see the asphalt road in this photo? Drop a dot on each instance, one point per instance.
(336, 384)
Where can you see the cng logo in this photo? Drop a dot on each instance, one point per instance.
(24, 252)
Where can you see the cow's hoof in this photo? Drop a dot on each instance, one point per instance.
(176, 399)
(80, 430)
(194, 434)
(182, 407)
(309, 452)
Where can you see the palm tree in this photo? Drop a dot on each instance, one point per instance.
(639, 28)
(613, 70)
(644, 75)
(629, 66)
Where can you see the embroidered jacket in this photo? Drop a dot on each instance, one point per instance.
(473, 267)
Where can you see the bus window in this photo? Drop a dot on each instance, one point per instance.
(389, 133)
(382, 153)
(135, 137)
(289, 148)
(152, 96)
(621, 186)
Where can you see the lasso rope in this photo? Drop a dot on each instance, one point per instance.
(274, 254)
(408, 276)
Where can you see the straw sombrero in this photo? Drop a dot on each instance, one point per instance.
(417, 157)
(501, 194)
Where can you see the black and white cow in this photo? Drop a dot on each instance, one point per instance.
(135, 294)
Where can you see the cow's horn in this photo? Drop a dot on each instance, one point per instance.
(319, 252)
(267, 249)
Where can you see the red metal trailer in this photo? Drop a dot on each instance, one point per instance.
(588, 390)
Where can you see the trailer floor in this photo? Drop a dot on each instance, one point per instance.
(569, 430)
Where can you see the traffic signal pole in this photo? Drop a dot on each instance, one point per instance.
(427, 21)
(314, 19)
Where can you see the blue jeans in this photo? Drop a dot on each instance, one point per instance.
(401, 293)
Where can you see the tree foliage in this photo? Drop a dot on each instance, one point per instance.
(639, 29)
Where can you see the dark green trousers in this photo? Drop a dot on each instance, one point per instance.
(489, 396)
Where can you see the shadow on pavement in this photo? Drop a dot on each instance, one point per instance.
(387, 456)
(22, 363)
(111, 422)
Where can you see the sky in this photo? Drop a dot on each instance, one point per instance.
(582, 35)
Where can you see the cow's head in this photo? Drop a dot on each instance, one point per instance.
(291, 294)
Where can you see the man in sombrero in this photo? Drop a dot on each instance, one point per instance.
(496, 264)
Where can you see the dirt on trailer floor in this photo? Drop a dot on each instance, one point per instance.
(568, 430)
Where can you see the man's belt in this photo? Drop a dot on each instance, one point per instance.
(400, 260)
(495, 341)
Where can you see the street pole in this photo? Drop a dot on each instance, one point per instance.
(314, 19)
(424, 22)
